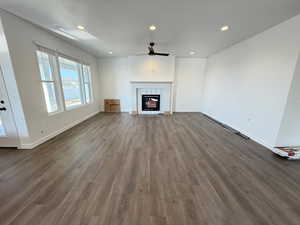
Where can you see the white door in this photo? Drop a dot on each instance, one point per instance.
(8, 132)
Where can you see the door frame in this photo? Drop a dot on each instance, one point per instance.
(12, 141)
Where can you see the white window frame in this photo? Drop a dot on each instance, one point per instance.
(89, 83)
(54, 81)
(57, 80)
(79, 65)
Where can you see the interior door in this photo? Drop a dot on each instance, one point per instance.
(8, 132)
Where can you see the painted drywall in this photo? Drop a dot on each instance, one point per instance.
(247, 85)
(117, 72)
(289, 133)
(189, 73)
(21, 36)
(151, 68)
(115, 81)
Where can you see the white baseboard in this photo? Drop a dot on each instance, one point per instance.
(125, 110)
(55, 133)
(260, 141)
(251, 136)
(183, 108)
(187, 110)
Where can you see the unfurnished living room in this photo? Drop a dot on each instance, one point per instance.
(161, 112)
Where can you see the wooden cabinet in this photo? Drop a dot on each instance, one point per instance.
(112, 105)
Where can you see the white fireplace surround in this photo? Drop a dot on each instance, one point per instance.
(162, 88)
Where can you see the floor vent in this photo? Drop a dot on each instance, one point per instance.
(234, 131)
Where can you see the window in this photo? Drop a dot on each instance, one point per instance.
(87, 83)
(65, 82)
(48, 82)
(71, 83)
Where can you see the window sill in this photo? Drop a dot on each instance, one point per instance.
(70, 108)
(78, 106)
(55, 113)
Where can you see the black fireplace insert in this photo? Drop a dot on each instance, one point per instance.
(151, 102)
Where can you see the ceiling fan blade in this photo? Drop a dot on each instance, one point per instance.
(161, 54)
(140, 54)
(152, 52)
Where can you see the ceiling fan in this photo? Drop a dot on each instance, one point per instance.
(152, 52)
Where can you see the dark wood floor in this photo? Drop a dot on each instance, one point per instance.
(115, 169)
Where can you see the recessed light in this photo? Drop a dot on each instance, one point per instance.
(80, 27)
(152, 27)
(225, 28)
(110, 52)
(192, 53)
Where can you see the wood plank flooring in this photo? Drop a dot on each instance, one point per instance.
(116, 169)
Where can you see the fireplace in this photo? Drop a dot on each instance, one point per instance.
(157, 94)
(150, 102)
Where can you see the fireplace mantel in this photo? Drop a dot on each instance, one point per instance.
(163, 88)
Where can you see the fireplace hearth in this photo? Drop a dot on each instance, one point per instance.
(151, 102)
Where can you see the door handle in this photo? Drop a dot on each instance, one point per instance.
(3, 109)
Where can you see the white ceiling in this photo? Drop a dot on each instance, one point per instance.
(182, 25)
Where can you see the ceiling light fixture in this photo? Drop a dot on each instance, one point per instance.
(80, 27)
(225, 28)
(152, 27)
(110, 52)
(192, 53)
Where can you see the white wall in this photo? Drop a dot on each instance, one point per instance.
(189, 73)
(115, 81)
(289, 133)
(247, 85)
(20, 36)
(151, 68)
(117, 72)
